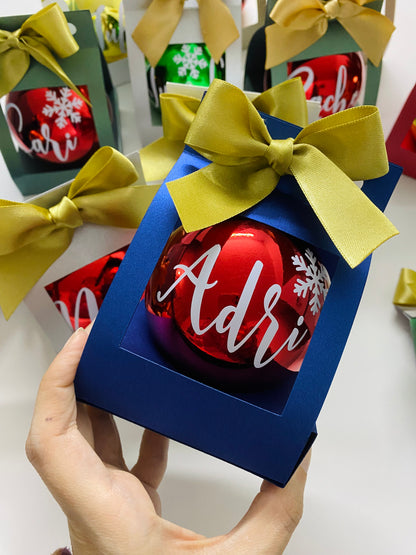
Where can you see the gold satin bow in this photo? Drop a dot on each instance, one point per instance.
(33, 237)
(285, 101)
(42, 32)
(324, 158)
(300, 23)
(405, 294)
(154, 31)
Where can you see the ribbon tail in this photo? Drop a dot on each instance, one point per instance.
(21, 269)
(283, 43)
(13, 66)
(218, 27)
(371, 31)
(43, 55)
(155, 29)
(355, 225)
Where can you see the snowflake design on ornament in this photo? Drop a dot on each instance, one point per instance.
(188, 61)
(316, 280)
(65, 106)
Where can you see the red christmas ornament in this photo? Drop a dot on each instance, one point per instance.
(413, 129)
(54, 124)
(79, 295)
(409, 141)
(335, 81)
(235, 302)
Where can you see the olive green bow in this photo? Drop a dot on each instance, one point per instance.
(156, 27)
(405, 294)
(40, 34)
(324, 158)
(33, 237)
(286, 101)
(300, 23)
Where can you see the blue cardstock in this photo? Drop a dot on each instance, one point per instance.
(265, 432)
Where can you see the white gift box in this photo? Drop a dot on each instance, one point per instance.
(187, 32)
(90, 242)
(119, 69)
(197, 92)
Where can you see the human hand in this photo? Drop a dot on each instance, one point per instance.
(114, 511)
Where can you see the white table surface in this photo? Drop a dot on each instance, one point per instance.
(361, 492)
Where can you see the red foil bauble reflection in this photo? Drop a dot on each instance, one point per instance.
(53, 124)
(236, 301)
(335, 81)
(78, 296)
(409, 141)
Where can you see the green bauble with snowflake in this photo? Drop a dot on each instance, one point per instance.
(189, 63)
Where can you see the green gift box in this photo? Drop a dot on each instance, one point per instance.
(185, 60)
(35, 173)
(335, 41)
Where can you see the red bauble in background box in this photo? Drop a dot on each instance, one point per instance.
(54, 124)
(79, 295)
(336, 81)
(236, 302)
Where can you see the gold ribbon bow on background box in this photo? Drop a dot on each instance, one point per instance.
(40, 34)
(300, 23)
(324, 158)
(405, 294)
(405, 298)
(155, 29)
(33, 237)
(285, 101)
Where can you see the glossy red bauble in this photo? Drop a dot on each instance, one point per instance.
(79, 295)
(336, 81)
(236, 301)
(53, 124)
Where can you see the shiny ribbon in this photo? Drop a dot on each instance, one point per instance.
(405, 294)
(405, 298)
(40, 34)
(33, 237)
(285, 101)
(300, 23)
(154, 31)
(324, 158)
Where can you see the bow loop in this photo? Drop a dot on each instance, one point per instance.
(300, 23)
(66, 214)
(33, 237)
(41, 34)
(285, 101)
(247, 163)
(279, 155)
(155, 29)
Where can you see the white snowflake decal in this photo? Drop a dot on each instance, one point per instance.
(316, 280)
(65, 106)
(191, 62)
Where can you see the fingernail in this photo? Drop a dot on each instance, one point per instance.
(76, 333)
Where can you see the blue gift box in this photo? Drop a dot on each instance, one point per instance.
(267, 431)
